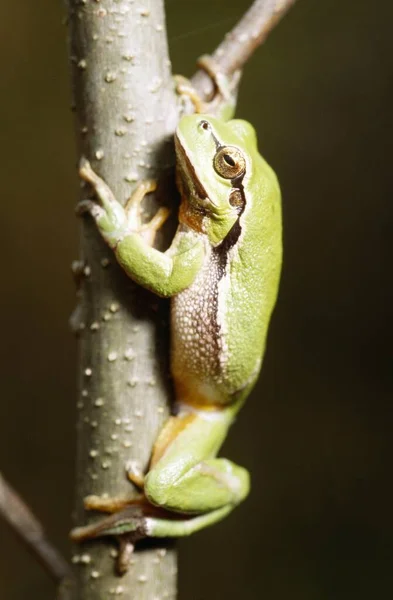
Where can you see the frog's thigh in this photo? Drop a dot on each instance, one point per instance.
(185, 475)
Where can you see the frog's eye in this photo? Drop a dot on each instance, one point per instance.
(229, 162)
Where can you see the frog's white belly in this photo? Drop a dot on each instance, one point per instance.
(198, 346)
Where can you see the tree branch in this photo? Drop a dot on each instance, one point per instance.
(125, 116)
(240, 43)
(126, 113)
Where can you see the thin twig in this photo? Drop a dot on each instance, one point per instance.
(240, 43)
(20, 518)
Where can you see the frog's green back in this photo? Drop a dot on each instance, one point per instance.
(255, 268)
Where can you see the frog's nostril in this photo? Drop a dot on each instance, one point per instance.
(205, 125)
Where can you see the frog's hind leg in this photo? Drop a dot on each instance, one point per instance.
(187, 478)
(186, 489)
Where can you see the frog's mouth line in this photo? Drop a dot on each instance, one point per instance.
(197, 188)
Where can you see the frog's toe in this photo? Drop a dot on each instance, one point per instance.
(84, 167)
(90, 207)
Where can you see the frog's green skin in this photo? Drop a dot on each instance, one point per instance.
(222, 272)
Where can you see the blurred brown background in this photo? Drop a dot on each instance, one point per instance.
(316, 433)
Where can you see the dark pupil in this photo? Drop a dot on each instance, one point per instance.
(229, 160)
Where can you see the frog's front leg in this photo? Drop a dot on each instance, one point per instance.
(113, 220)
(164, 273)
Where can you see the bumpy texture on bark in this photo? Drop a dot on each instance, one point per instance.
(125, 117)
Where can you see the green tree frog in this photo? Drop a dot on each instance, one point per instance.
(222, 273)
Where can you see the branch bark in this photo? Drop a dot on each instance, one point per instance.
(125, 115)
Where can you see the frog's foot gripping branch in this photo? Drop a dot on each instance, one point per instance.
(140, 520)
(113, 220)
(223, 101)
(185, 490)
(127, 525)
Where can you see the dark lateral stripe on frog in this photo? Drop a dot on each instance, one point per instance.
(220, 254)
(233, 235)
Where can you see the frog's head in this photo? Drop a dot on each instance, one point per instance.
(214, 163)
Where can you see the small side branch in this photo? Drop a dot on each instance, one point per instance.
(20, 518)
(240, 43)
